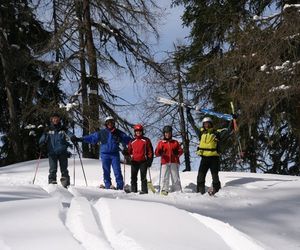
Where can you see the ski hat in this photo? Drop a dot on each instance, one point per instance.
(138, 127)
(55, 114)
(167, 129)
(207, 119)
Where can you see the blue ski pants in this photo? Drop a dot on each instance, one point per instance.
(113, 160)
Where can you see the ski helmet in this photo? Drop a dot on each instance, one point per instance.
(167, 129)
(109, 118)
(138, 127)
(207, 119)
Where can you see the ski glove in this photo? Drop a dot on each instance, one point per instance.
(161, 152)
(175, 152)
(43, 147)
(234, 116)
(75, 139)
(188, 109)
(125, 152)
(149, 162)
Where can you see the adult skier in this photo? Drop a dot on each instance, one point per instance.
(169, 150)
(208, 148)
(110, 138)
(141, 152)
(56, 139)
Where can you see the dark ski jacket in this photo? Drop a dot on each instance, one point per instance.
(109, 140)
(57, 139)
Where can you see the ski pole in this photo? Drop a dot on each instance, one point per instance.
(37, 167)
(149, 174)
(76, 146)
(159, 178)
(235, 128)
(74, 166)
(150, 184)
(124, 172)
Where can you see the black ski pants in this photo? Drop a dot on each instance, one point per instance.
(63, 163)
(212, 163)
(135, 167)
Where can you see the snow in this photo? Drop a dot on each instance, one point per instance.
(263, 68)
(281, 87)
(290, 6)
(68, 106)
(262, 18)
(251, 211)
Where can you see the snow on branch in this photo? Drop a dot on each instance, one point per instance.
(281, 87)
(290, 6)
(264, 18)
(287, 66)
(68, 106)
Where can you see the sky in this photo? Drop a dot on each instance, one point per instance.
(250, 212)
(170, 31)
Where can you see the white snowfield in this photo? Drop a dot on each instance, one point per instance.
(251, 211)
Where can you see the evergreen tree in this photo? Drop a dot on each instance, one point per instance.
(26, 87)
(236, 54)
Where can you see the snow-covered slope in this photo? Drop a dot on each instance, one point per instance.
(251, 211)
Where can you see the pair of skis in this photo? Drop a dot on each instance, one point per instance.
(166, 101)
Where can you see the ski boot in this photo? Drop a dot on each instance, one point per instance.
(127, 189)
(211, 191)
(65, 182)
(143, 192)
(164, 192)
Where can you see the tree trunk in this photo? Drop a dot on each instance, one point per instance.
(184, 134)
(84, 87)
(93, 76)
(14, 130)
(252, 149)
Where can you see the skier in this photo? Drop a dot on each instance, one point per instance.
(109, 137)
(169, 150)
(208, 148)
(141, 152)
(55, 139)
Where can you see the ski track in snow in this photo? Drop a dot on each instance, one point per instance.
(118, 240)
(234, 238)
(94, 233)
(82, 223)
(90, 215)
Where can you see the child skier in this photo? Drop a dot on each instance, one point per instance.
(169, 150)
(141, 152)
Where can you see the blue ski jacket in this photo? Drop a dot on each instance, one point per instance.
(109, 140)
(57, 139)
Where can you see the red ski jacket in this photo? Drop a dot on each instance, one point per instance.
(140, 149)
(169, 150)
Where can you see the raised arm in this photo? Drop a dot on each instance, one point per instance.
(92, 138)
(192, 122)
